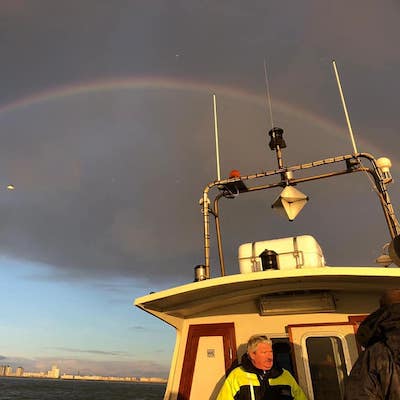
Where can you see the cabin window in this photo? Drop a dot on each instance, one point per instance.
(283, 354)
(327, 367)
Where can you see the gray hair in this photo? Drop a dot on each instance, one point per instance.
(255, 340)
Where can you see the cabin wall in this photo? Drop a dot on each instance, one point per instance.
(212, 363)
(247, 322)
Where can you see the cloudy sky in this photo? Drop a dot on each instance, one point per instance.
(106, 131)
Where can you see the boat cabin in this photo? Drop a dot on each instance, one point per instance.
(283, 289)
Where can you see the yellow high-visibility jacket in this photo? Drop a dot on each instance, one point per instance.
(244, 383)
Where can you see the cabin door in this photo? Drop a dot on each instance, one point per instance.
(210, 351)
(324, 355)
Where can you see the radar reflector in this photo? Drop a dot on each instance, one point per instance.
(290, 202)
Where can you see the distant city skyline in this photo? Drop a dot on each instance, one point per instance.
(55, 373)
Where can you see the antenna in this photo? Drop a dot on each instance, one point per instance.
(269, 105)
(344, 108)
(216, 137)
(373, 183)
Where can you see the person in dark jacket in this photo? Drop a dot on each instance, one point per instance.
(376, 373)
(257, 378)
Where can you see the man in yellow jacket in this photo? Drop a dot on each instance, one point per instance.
(257, 378)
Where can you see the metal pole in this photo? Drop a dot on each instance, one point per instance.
(345, 108)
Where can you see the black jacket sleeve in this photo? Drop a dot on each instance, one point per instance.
(370, 377)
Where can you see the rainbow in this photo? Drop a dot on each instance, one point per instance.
(162, 83)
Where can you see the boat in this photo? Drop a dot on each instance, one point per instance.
(283, 288)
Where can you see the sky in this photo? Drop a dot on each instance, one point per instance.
(107, 134)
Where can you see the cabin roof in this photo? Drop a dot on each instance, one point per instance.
(192, 299)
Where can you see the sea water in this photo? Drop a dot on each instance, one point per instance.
(58, 389)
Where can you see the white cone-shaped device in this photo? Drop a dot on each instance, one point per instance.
(290, 202)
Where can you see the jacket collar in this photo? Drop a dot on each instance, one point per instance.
(379, 325)
(248, 366)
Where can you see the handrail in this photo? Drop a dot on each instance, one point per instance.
(353, 164)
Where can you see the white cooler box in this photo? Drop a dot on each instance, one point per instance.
(287, 253)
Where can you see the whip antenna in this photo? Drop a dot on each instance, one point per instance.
(216, 136)
(269, 104)
(373, 183)
(344, 108)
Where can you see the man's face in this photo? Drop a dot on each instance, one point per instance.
(262, 357)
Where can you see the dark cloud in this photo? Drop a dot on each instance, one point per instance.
(94, 352)
(108, 182)
(137, 328)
